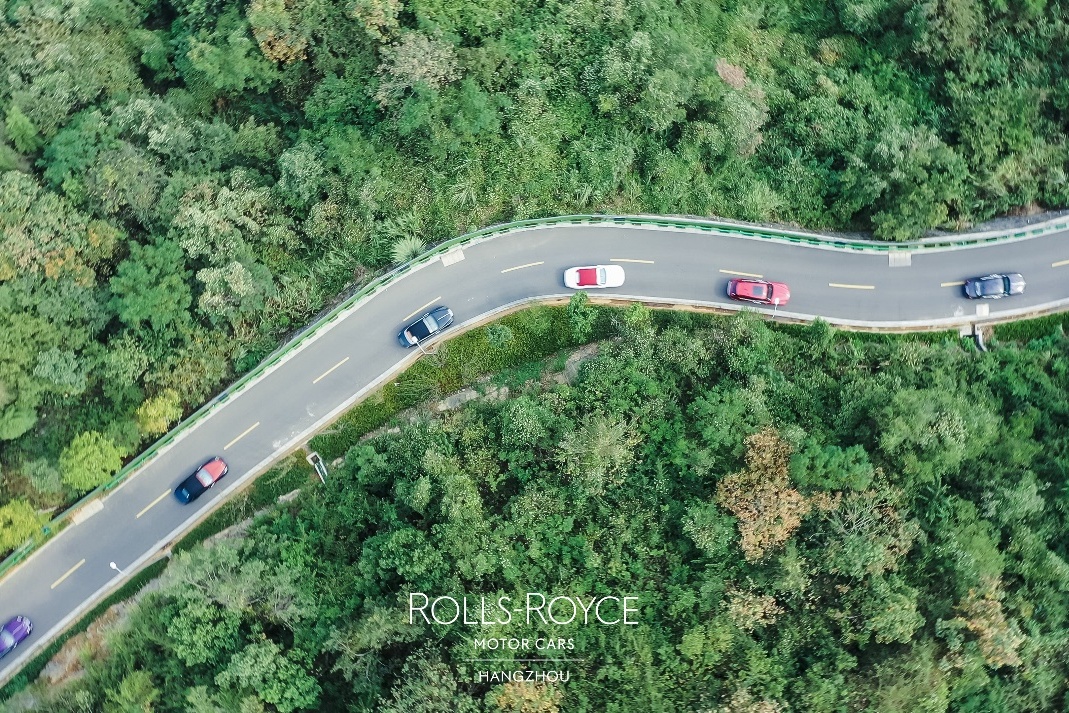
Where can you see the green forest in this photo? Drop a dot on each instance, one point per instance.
(810, 520)
(184, 183)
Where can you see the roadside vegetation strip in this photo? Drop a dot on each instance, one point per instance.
(426, 380)
(665, 391)
(706, 226)
(33, 668)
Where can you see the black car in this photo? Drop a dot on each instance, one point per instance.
(205, 477)
(992, 287)
(426, 326)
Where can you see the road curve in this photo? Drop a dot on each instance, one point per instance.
(359, 352)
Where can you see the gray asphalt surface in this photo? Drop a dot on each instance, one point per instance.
(67, 576)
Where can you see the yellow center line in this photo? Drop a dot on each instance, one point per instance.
(244, 433)
(520, 267)
(69, 573)
(423, 308)
(744, 274)
(851, 287)
(324, 374)
(153, 503)
(626, 259)
(1060, 263)
(958, 283)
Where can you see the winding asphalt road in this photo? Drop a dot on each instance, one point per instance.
(359, 352)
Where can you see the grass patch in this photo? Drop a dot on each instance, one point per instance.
(292, 473)
(1030, 329)
(33, 669)
(536, 333)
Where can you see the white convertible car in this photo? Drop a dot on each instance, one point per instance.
(581, 278)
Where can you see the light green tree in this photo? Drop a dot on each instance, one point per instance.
(274, 675)
(90, 460)
(21, 130)
(157, 414)
(582, 316)
(18, 522)
(135, 694)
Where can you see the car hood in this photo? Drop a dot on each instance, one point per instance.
(1016, 284)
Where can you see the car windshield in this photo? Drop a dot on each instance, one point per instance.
(419, 329)
(602, 279)
(204, 477)
(7, 639)
(430, 324)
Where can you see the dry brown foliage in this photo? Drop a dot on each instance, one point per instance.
(982, 614)
(273, 28)
(761, 497)
(527, 697)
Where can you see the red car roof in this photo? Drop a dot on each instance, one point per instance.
(588, 276)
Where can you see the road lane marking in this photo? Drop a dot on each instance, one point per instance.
(744, 274)
(518, 267)
(436, 299)
(244, 433)
(153, 503)
(851, 287)
(69, 573)
(627, 259)
(324, 374)
(1060, 263)
(957, 283)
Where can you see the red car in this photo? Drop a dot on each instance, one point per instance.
(760, 291)
(206, 476)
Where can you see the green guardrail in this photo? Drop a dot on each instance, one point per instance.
(710, 226)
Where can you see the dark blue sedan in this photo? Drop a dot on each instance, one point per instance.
(992, 287)
(425, 327)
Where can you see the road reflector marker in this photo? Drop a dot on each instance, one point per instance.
(324, 374)
(744, 274)
(244, 433)
(520, 267)
(625, 259)
(956, 283)
(436, 299)
(69, 573)
(153, 503)
(851, 287)
(1060, 263)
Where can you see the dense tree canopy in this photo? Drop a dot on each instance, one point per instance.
(183, 181)
(796, 543)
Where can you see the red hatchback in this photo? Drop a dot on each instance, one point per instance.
(759, 291)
